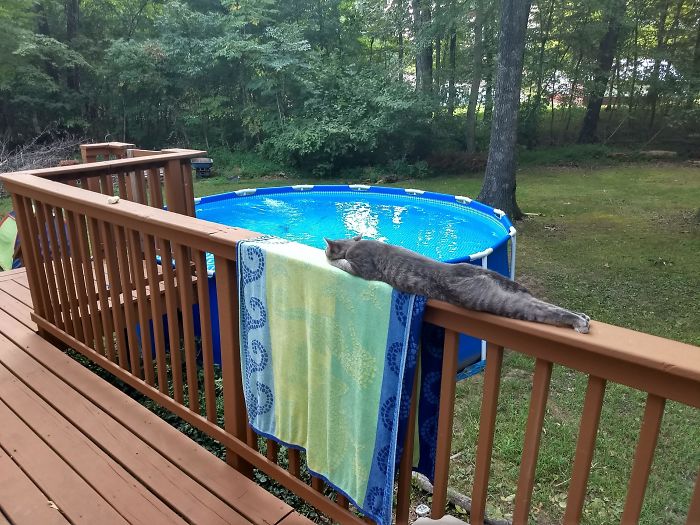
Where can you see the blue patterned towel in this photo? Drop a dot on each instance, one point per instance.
(325, 357)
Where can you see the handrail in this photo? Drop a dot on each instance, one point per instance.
(662, 368)
(607, 351)
(148, 177)
(115, 165)
(209, 236)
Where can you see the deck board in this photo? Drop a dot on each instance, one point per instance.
(53, 476)
(71, 438)
(21, 500)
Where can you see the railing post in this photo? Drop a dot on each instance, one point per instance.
(174, 188)
(31, 257)
(445, 420)
(235, 418)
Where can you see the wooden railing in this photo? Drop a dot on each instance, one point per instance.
(155, 178)
(662, 368)
(96, 284)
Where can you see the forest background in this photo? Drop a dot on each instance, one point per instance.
(340, 87)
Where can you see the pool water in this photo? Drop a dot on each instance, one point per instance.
(443, 230)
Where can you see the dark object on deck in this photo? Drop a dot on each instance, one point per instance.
(202, 166)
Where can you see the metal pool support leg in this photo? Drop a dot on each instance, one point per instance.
(484, 264)
(512, 234)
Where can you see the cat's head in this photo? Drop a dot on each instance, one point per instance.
(337, 249)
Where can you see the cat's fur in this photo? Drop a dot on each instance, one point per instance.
(463, 284)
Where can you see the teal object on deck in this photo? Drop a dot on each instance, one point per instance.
(447, 228)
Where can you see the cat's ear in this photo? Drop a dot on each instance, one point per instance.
(328, 241)
(357, 238)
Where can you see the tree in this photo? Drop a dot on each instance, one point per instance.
(606, 52)
(498, 189)
(478, 51)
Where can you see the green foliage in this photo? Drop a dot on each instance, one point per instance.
(351, 117)
(330, 85)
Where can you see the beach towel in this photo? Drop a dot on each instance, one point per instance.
(328, 362)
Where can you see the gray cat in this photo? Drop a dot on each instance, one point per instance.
(463, 285)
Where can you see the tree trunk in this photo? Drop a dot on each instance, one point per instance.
(488, 79)
(424, 51)
(438, 64)
(72, 9)
(635, 61)
(400, 33)
(401, 55)
(606, 53)
(695, 81)
(533, 113)
(654, 87)
(478, 51)
(572, 91)
(451, 92)
(498, 189)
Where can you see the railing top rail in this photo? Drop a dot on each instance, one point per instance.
(108, 166)
(668, 368)
(209, 236)
(610, 352)
(103, 145)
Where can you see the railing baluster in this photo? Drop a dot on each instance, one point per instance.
(272, 450)
(235, 419)
(128, 300)
(156, 311)
(643, 458)
(342, 501)
(487, 427)
(207, 339)
(80, 235)
(174, 191)
(123, 186)
(694, 510)
(183, 273)
(47, 256)
(173, 323)
(96, 242)
(67, 261)
(155, 188)
(186, 170)
(106, 185)
(78, 260)
(317, 484)
(445, 420)
(533, 433)
(294, 459)
(403, 491)
(140, 194)
(588, 431)
(115, 290)
(27, 230)
(137, 267)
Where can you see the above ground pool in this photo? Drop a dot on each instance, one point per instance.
(444, 227)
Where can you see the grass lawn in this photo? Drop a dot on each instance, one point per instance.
(621, 243)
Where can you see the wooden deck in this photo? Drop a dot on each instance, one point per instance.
(74, 449)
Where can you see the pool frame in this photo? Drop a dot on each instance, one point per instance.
(482, 258)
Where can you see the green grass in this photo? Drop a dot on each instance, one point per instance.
(621, 243)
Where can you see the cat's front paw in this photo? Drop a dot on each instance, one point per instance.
(582, 324)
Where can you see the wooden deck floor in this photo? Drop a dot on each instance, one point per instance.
(74, 449)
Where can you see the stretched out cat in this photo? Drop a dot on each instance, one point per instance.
(463, 284)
